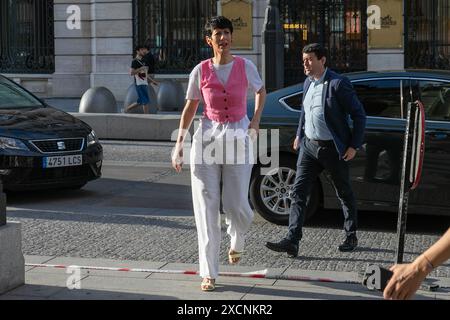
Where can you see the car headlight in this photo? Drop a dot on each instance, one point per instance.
(92, 138)
(10, 143)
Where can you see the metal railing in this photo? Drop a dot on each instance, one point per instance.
(337, 24)
(174, 31)
(427, 40)
(27, 36)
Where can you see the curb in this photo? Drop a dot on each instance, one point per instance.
(132, 126)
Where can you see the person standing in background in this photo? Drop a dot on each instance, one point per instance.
(140, 71)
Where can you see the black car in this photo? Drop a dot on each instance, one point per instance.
(375, 172)
(42, 147)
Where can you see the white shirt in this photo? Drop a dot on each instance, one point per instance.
(141, 77)
(315, 125)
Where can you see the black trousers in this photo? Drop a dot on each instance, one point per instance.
(312, 160)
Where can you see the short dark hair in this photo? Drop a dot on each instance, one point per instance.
(139, 47)
(217, 22)
(317, 49)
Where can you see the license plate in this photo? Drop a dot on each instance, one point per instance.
(63, 161)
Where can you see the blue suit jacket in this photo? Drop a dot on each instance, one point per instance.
(339, 103)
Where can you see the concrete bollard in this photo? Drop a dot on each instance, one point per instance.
(132, 97)
(170, 96)
(98, 100)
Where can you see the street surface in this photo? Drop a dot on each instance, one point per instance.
(142, 210)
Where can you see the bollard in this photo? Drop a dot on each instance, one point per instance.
(170, 96)
(98, 100)
(2, 205)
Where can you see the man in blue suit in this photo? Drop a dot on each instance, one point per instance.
(326, 141)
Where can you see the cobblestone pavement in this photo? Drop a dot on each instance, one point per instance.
(174, 240)
(137, 151)
(124, 223)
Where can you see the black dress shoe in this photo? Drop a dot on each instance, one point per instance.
(284, 245)
(349, 244)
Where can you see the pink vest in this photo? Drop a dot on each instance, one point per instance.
(224, 103)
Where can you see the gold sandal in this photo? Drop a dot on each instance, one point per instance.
(208, 284)
(234, 257)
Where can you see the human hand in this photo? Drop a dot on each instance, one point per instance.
(349, 154)
(253, 129)
(177, 157)
(296, 144)
(405, 281)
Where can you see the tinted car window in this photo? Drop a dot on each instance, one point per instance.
(12, 96)
(381, 98)
(294, 102)
(436, 99)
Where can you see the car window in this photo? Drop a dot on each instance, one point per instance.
(13, 96)
(294, 101)
(381, 98)
(436, 99)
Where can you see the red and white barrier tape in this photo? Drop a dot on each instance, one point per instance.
(256, 275)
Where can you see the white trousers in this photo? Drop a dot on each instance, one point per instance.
(205, 180)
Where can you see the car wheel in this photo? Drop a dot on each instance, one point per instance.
(271, 194)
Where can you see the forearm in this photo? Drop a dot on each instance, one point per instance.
(260, 99)
(151, 78)
(439, 252)
(186, 119)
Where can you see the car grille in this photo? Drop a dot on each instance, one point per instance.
(59, 146)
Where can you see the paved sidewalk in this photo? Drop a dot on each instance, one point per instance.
(50, 284)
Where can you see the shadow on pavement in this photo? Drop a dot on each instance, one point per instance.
(40, 292)
(111, 192)
(110, 219)
(381, 221)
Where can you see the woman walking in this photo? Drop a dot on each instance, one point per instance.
(222, 83)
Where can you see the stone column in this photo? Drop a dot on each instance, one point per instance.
(385, 59)
(387, 55)
(273, 48)
(112, 45)
(99, 53)
(72, 50)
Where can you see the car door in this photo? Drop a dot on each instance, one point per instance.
(292, 104)
(375, 173)
(433, 194)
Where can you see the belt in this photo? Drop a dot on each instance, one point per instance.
(321, 143)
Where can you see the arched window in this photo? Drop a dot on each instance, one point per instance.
(27, 36)
(174, 31)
